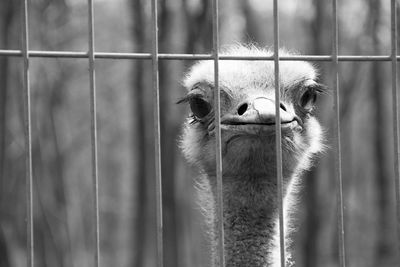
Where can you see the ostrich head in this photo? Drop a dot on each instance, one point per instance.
(248, 115)
(248, 146)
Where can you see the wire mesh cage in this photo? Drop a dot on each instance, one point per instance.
(335, 59)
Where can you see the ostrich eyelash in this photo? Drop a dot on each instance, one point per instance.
(193, 116)
(188, 97)
(184, 99)
(319, 88)
(194, 119)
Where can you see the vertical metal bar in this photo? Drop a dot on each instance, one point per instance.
(157, 134)
(338, 163)
(218, 154)
(395, 105)
(93, 131)
(278, 135)
(28, 135)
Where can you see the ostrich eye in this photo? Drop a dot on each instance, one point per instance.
(199, 107)
(308, 99)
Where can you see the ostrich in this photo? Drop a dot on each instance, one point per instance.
(248, 148)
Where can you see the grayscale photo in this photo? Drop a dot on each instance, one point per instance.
(199, 133)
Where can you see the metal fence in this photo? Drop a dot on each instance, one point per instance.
(155, 57)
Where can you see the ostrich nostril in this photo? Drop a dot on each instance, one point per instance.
(282, 106)
(242, 109)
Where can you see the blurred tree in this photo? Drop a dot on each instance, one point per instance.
(317, 45)
(142, 153)
(198, 30)
(383, 171)
(7, 13)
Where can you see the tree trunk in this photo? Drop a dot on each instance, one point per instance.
(382, 177)
(312, 222)
(6, 14)
(168, 136)
(140, 150)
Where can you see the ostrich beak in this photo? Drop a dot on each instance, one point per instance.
(260, 111)
(266, 110)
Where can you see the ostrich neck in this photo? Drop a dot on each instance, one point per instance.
(250, 218)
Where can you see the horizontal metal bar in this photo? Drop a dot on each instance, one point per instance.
(312, 58)
(166, 56)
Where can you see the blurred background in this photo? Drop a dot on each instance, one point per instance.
(63, 196)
